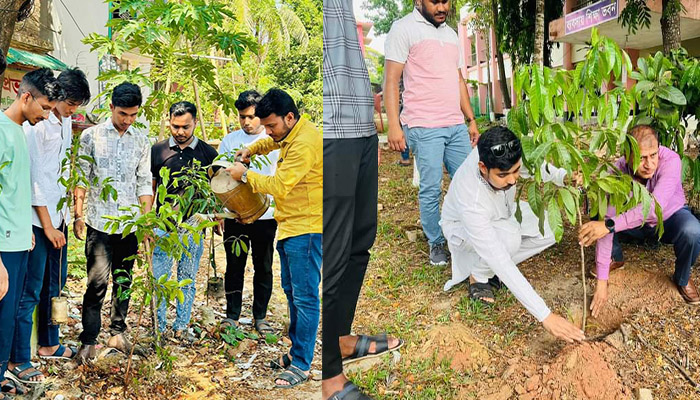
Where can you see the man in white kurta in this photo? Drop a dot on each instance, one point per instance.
(483, 235)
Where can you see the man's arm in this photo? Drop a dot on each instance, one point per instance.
(296, 165)
(466, 107)
(56, 237)
(4, 280)
(393, 71)
(78, 220)
(144, 178)
(263, 146)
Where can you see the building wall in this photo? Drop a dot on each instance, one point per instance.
(67, 34)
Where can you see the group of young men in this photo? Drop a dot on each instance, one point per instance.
(35, 136)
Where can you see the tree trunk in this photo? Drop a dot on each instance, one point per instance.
(8, 17)
(670, 26)
(499, 57)
(538, 51)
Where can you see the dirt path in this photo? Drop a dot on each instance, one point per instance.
(210, 369)
(457, 348)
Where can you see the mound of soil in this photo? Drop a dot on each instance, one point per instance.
(581, 372)
(455, 343)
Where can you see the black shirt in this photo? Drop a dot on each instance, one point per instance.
(167, 153)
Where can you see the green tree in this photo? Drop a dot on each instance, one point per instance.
(588, 144)
(177, 36)
(637, 15)
(11, 12)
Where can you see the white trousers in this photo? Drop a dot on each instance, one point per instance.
(522, 241)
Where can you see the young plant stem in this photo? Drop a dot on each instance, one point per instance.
(583, 277)
(133, 346)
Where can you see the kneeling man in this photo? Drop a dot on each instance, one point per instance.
(483, 235)
(660, 171)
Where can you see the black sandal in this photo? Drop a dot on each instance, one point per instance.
(481, 291)
(263, 327)
(362, 347)
(286, 362)
(7, 388)
(292, 375)
(349, 392)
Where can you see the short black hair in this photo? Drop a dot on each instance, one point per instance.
(41, 82)
(276, 101)
(182, 108)
(3, 62)
(126, 94)
(247, 99)
(75, 85)
(493, 137)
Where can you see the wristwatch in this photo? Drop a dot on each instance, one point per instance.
(244, 177)
(610, 224)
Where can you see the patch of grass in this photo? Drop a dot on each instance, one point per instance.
(475, 310)
(426, 275)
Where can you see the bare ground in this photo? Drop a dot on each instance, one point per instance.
(459, 349)
(210, 369)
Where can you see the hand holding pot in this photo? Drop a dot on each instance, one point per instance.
(243, 154)
(237, 170)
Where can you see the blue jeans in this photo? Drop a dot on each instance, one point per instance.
(15, 263)
(187, 268)
(40, 286)
(300, 262)
(681, 229)
(432, 148)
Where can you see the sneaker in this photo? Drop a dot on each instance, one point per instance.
(438, 254)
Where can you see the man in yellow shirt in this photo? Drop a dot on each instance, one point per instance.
(297, 187)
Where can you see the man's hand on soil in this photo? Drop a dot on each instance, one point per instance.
(396, 139)
(562, 329)
(590, 232)
(600, 297)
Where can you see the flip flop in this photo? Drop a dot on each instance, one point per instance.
(362, 347)
(286, 362)
(349, 392)
(59, 353)
(22, 373)
(292, 375)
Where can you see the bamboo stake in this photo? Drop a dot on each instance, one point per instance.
(583, 277)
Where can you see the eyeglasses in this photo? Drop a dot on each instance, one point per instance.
(500, 150)
(43, 110)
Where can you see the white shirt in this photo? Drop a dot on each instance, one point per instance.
(473, 203)
(48, 142)
(237, 139)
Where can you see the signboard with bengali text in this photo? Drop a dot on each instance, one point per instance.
(590, 16)
(10, 87)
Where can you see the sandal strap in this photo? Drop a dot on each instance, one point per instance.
(293, 375)
(26, 371)
(362, 346)
(382, 343)
(10, 386)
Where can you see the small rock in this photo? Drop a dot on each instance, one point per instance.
(316, 375)
(528, 396)
(380, 207)
(615, 340)
(571, 360)
(643, 394)
(520, 389)
(513, 360)
(503, 394)
(412, 236)
(545, 369)
(59, 397)
(533, 383)
(528, 373)
(509, 371)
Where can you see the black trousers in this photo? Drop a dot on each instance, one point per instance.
(106, 256)
(350, 173)
(258, 238)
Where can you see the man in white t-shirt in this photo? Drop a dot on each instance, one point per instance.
(258, 236)
(423, 49)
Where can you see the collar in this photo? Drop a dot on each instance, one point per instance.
(53, 119)
(420, 18)
(294, 132)
(192, 145)
(110, 125)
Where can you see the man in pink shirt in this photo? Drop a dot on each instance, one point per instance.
(660, 171)
(422, 48)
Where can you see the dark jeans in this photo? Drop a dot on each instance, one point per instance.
(15, 263)
(681, 229)
(259, 237)
(350, 226)
(300, 265)
(40, 286)
(105, 256)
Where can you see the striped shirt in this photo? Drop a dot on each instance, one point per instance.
(348, 105)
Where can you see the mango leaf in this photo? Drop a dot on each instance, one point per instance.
(569, 204)
(671, 94)
(554, 217)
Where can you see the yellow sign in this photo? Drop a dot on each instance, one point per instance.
(10, 87)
